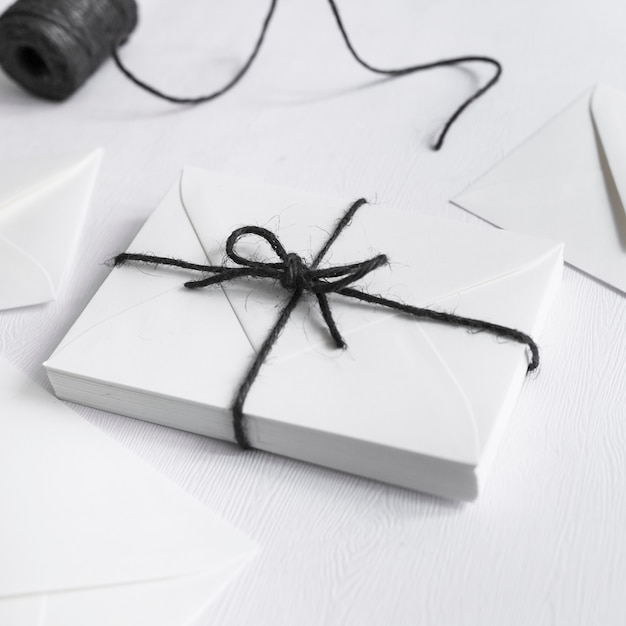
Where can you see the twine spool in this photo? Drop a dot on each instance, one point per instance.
(51, 47)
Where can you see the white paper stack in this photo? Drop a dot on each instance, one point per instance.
(415, 404)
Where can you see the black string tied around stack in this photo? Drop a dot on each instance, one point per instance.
(298, 278)
(51, 47)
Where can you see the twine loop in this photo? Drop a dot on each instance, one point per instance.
(292, 272)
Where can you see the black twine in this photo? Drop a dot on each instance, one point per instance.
(393, 73)
(297, 278)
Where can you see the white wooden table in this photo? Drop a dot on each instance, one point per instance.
(546, 542)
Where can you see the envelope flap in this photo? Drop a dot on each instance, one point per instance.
(45, 222)
(24, 281)
(429, 259)
(167, 232)
(608, 107)
(556, 185)
(40, 221)
(20, 177)
(79, 511)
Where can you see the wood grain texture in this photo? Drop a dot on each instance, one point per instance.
(546, 542)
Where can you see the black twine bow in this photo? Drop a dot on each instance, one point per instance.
(297, 277)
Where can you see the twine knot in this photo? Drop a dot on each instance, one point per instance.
(296, 274)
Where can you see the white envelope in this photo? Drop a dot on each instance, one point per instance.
(91, 535)
(414, 404)
(568, 182)
(43, 203)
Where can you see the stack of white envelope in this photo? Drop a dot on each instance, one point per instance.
(416, 404)
(91, 535)
(43, 203)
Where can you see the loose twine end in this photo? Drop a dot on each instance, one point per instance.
(390, 72)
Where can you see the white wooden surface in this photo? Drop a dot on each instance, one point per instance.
(546, 543)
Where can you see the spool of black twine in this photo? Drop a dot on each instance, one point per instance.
(51, 47)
